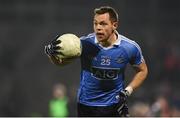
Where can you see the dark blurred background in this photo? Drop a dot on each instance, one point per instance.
(27, 76)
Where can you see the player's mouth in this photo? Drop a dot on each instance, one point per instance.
(99, 35)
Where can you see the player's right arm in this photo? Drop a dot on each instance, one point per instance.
(55, 60)
(60, 62)
(51, 53)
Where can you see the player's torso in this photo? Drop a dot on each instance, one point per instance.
(104, 64)
(102, 72)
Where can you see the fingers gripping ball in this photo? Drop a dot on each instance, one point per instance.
(70, 46)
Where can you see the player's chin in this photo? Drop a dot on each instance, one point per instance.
(100, 38)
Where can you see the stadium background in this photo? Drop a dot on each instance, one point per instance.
(27, 76)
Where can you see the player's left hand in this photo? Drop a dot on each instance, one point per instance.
(123, 95)
(122, 105)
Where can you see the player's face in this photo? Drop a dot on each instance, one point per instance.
(103, 27)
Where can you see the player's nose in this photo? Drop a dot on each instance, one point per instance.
(98, 27)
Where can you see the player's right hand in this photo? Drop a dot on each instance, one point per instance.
(51, 48)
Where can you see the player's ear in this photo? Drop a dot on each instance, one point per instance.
(115, 25)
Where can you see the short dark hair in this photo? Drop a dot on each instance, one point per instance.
(107, 9)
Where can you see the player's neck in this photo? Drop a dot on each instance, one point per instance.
(112, 39)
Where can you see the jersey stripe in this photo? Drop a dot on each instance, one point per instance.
(135, 44)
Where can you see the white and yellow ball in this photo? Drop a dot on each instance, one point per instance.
(70, 46)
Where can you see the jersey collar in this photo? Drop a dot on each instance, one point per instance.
(116, 44)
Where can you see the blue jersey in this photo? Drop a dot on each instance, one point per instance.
(102, 69)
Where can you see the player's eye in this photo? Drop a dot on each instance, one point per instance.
(103, 23)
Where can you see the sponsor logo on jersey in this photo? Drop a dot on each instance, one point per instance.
(102, 73)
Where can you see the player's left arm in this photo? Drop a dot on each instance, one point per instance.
(141, 71)
(140, 75)
(137, 61)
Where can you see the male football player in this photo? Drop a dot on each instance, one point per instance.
(105, 55)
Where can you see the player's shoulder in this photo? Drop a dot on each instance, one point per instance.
(126, 42)
(90, 36)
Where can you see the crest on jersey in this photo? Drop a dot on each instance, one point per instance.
(120, 60)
